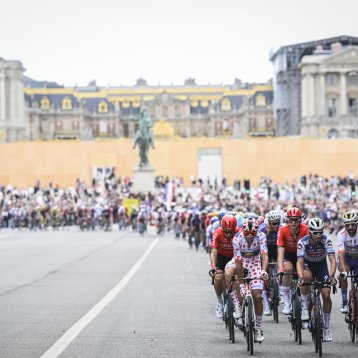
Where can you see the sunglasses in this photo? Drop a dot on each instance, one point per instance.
(250, 233)
(228, 232)
(316, 233)
(274, 223)
(296, 220)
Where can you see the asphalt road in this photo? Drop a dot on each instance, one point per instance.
(49, 281)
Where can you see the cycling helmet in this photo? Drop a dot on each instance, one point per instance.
(221, 214)
(251, 215)
(315, 224)
(214, 219)
(294, 213)
(350, 216)
(273, 215)
(239, 220)
(250, 224)
(228, 222)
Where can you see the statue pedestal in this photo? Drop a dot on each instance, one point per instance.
(144, 179)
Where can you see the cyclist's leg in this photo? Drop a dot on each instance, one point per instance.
(289, 264)
(219, 283)
(305, 293)
(230, 270)
(321, 272)
(344, 285)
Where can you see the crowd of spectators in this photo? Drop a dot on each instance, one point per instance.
(326, 197)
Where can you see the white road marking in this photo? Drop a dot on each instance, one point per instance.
(63, 342)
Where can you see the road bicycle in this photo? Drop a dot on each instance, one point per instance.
(273, 292)
(228, 315)
(248, 314)
(294, 316)
(315, 324)
(351, 316)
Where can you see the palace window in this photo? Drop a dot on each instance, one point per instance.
(353, 107)
(177, 111)
(66, 104)
(75, 125)
(125, 130)
(352, 78)
(95, 129)
(45, 104)
(102, 107)
(332, 108)
(226, 105)
(332, 79)
(165, 111)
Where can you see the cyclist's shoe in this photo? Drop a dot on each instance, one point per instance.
(327, 335)
(259, 336)
(240, 324)
(286, 308)
(344, 308)
(304, 315)
(267, 311)
(219, 310)
(237, 311)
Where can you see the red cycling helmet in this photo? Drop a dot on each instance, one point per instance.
(228, 222)
(294, 213)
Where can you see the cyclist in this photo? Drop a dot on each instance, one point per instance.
(347, 252)
(250, 252)
(312, 251)
(270, 229)
(221, 253)
(287, 239)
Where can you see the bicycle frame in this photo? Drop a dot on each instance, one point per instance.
(316, 313)
(352, 316)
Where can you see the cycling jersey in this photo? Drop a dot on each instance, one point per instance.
(271, 236)
(222, 244)
(287, 241)
(314, 253)
(348, 244)
(250, 256)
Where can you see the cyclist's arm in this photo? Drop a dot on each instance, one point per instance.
(214, 257)
(264, 260)
(342, 260)
(333, 265)
(238, 263)
(299, 267)
(280, 257)
(280, 249)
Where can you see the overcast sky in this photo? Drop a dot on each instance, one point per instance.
(164, 41)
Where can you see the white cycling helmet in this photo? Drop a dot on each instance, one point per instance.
(273, 215)
(315, 224)
(350, 216)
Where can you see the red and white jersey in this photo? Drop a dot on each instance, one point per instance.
(242, 250)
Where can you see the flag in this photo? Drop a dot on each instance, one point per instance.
(169, 194)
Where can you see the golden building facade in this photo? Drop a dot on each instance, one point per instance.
(85, 113)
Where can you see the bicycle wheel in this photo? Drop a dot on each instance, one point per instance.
(275, 301)
(231, 319)
(351, 316)
(250, 326)
(297, 319)
(319, 324)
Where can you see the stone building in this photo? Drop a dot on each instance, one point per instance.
(329, 92)
(13, 126)
(287, 80)
(236, 111)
